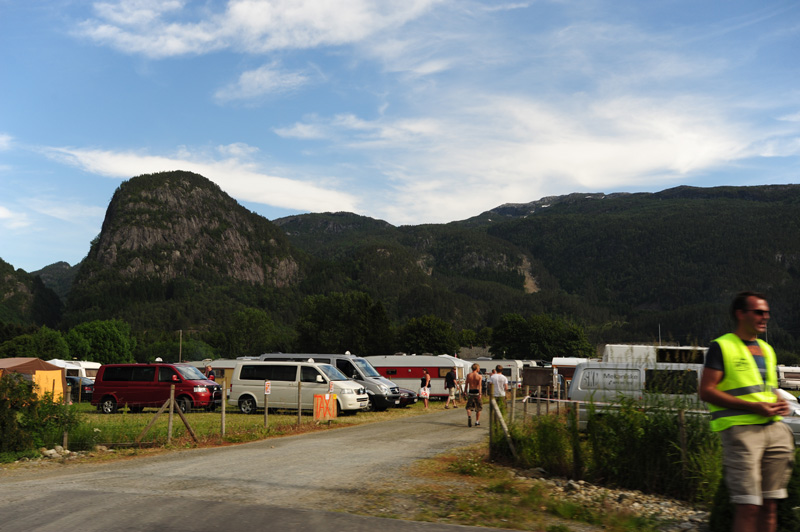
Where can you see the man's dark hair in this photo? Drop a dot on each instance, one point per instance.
(740, 301)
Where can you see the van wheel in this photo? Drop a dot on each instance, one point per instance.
(247, 405)
(184, 404)
(108, 406)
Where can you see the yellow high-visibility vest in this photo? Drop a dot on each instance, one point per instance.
(743, 379)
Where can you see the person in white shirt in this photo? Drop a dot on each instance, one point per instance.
(499, 383)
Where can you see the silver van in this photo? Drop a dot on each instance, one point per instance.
(382, 392)
(249, 376)
(602, 384)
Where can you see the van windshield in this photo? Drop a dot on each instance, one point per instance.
(332, 373)
(365, 367)
(190, 373)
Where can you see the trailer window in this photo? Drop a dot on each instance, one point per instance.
(391, 372)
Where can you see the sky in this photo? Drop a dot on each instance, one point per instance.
(409, 111)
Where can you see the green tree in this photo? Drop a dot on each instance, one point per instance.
(511, 338)
(341, 322)
(45, 343)
(429, 334)
(109, 341)
(252, 332)
(467, 338)
(541, 336)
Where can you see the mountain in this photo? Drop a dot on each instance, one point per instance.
(24, 299)
(58, 277)
(176, 251)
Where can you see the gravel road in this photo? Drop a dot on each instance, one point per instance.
(289, 482)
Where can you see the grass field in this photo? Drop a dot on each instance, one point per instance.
(123, 428)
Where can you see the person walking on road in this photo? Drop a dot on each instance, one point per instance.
(425, 386)
(474, 397)
(499, 383)
(450, 386)
(738, 383)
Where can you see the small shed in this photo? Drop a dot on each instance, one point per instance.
(47, 377)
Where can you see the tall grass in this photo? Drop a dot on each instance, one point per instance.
(633, 446)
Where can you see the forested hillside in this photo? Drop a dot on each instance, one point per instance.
(673, 258)
(177, 256)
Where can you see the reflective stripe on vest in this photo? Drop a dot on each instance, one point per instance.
(743, 379)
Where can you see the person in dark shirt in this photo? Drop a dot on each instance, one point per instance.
(450, 386)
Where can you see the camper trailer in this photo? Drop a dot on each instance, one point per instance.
(652, 354)
(789, 377)
(406, 370)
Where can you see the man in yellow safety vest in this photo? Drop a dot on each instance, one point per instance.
(738, 384)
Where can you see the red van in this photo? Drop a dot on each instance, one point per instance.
(147, 385)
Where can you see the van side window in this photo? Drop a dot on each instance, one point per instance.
(145, 374)
(308, 374)
(255, 373)
(346, 367)
(165, 374)
(670, 381)
(284, 373)
(122, 373)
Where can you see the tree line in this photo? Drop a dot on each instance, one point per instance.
(333, 323)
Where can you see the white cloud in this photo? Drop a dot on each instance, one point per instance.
(264, 80)
(65, 209)
(241, 180)
(479, 151)
(5, 141)
(148, 28)
(13, 220)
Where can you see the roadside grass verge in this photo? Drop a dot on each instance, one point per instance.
(463, 487)
(122, 428)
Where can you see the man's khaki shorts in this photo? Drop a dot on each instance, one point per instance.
(758, 461)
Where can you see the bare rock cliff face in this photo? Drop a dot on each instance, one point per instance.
(177, 224)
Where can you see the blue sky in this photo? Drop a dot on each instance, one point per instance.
(410, 111)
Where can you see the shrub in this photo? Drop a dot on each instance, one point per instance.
(16, 398)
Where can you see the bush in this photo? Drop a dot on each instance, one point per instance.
(28, 422)
(16, 398)
(47, 421)
(544, 442)
(635, 446)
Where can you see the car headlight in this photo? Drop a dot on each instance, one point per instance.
(345, 391)
(200, 389)
(384, 389)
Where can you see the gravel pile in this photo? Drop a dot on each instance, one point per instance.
(678, 516)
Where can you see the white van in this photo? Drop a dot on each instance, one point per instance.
(601, 384)
(249, 376)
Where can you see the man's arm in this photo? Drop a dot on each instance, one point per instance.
(710, 393)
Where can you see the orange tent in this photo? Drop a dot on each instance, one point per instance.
(47, 377)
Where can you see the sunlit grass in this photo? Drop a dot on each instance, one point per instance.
(123, 428)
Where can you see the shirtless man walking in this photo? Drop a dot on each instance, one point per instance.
(474, 382)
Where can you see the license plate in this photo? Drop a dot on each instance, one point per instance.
(397, 402)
